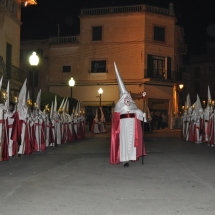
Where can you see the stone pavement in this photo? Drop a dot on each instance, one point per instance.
(177, 177)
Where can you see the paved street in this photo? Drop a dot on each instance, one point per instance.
(177, 177)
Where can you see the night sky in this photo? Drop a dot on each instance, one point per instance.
(40, 21)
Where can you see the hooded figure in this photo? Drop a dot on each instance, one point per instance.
(102, 121)
(96, 124)
(39, 124)
(6, 144)
(18, 128)
(9, 122)
(198, 121)
(188, 116)
(207, 113)
(126, 132)
(57, 124)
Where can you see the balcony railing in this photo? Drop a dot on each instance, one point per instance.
(127, 9)
(148, 73)
(70, 39)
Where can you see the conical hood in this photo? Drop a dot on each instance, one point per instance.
(55, 104)
(1, 82)
(96, 116)
(67, 106)
(22, 94)
(199, 105)
(188, 101)
(121, 85)
(209, 96)
(79, 107)
(125, 103)
(61, 105)
(38, 100)
(51, 111)
(8, 95)
(28, 96)
(102, 115)
(65, 103)
(76, 109)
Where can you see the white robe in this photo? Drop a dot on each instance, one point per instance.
(127, 136)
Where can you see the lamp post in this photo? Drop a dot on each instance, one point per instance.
(100, 91)
(71, 84)
(34, 60)
(180, 91)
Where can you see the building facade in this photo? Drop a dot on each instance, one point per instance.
(198, 76)
(145, 43)
(10, 22)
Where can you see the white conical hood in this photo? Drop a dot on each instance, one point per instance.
(79, 107)
(209, 96)
(22, 94)
(51, 111)
(102, 115)
(8, 95)
(76, 109)
(61, 106)
(38, 100)
(65, 103)
(199, 105)
(125, 103)
(67, 106)
(28, 96)
(55, 104)
(188, 101)
(121, 85)
(1, 82)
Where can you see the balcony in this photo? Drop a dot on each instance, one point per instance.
(127, 9)
(63, 40)
(14, 73)
(149, 73)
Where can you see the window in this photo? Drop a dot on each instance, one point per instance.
(98, 66)
(158, 67)
(66, 68)
(97, 33)
(159, 33)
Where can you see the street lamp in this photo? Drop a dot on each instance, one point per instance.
(71, 84)
(180, 92)
(181, 86)
(100, 91)
(34, 60)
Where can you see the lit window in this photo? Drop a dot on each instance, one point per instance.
(98, 66)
